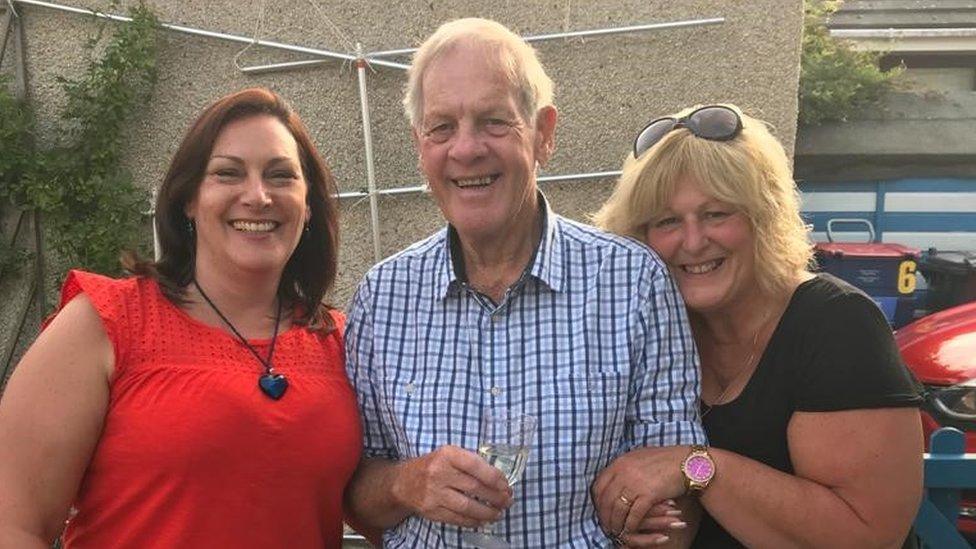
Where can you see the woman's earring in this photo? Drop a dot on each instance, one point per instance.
(189, 226)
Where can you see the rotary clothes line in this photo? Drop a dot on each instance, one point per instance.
(364, 59)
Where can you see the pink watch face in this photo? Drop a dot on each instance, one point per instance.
(699, 468)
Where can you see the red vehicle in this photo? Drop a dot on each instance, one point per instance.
(941, 350)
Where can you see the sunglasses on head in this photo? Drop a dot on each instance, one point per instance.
(714, 122)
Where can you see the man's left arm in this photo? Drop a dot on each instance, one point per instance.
(661, 423)
(663, 405)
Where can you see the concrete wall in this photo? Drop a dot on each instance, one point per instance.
(606, 87)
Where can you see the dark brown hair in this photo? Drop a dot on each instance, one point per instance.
(311, 269)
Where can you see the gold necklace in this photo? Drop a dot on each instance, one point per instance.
(746, 368)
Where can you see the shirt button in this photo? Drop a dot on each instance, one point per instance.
(410, 388)
(495, 391)
(497, 317)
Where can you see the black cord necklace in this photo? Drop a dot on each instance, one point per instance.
(271, 384)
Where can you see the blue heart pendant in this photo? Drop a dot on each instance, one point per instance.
(273, 385)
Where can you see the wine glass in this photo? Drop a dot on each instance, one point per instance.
(506, 437)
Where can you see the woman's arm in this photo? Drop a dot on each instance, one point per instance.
(51, 416)
(858, 472)
(858, 483)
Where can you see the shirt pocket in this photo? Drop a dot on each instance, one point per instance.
(423, 415)
(585, 420)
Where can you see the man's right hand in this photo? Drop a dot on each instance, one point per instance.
(452, 485)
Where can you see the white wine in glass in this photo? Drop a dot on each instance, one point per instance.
(505, 441)
(507, 458)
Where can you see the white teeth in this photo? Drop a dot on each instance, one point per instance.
(702, 268)
(254, 226)
(474, 182)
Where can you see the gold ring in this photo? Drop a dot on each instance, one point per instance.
(626, 501)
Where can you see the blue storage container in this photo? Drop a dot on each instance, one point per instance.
(886, 272)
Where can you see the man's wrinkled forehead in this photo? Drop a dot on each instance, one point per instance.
(473, 49)
(492, 58)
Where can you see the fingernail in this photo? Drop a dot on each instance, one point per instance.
(670, 502)
(678, 525)
(673, 513)
(662, 540)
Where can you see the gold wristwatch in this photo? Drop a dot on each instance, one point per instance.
(698, 469)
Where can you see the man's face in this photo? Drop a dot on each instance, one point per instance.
(476, 150)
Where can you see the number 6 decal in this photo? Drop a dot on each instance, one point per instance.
(906, 277)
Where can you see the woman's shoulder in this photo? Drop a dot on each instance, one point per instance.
(86, 281)
(827, 313)
(338, 319)
(328, 325)
(111, 297)
(825, 296)
(842, 353)
(101, 288)
(338, 329)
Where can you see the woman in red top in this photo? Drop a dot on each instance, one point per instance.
(202, 402)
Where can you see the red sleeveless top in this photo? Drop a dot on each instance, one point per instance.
(192, 454)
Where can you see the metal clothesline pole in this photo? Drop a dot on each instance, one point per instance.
(212, 34)
(288, 65)
(621, 30)
(374, 212)
(373, 57)
(582, 33)
(418, 189)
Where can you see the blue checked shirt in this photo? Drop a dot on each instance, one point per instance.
(593, 340)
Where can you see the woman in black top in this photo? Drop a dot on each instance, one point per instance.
(812, 417)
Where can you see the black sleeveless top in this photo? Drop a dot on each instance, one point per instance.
(832, 350)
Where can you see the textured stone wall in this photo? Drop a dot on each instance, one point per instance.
(16, 311)
(606, 87)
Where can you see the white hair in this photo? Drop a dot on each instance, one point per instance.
(515, 57)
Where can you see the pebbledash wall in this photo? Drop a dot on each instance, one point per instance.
(606, 87)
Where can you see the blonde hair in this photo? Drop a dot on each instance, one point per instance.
(515, 57)
(750, 171)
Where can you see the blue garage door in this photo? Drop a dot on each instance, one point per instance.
(923, 213)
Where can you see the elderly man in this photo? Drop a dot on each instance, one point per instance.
(509, 307)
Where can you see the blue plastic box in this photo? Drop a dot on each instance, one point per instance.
(886, 272)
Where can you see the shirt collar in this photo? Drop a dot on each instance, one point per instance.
(546, 264)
